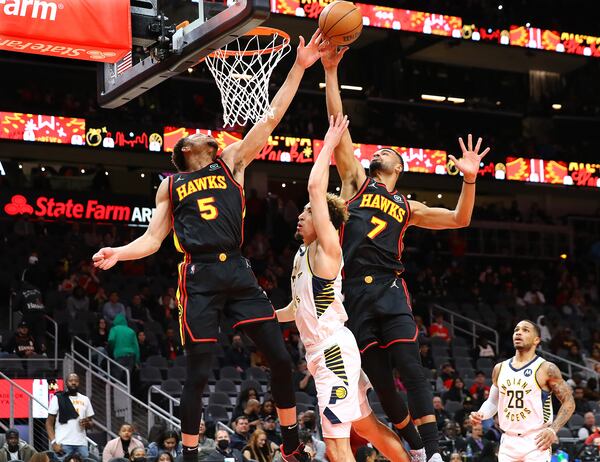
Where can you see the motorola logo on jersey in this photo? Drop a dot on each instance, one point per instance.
(337, 393)
(398, 198)
(528, 372)
(214, 167)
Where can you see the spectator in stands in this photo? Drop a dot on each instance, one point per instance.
(494, 434)
(591, 390)
(14, 448)
(237, 355)
(574, 355)
(250, 411)
(29, 302)
(22, 342)
(582, 405)
(477, 441)
(224, 449)
(137, 313)
(78, 303)
(74, 457)
(139, 455)
(269, 425)
(484, 349)
(69, 416)
(303, 380)
(441, 415)
(366, 454)
(589, 425)
(594, 438)
(241, 432)
(563, 340)
(123, 344)
(478, 388)
(466, 410)
(422, 328)
(308, 423)
(426, 359)
(576, 380)
(40, 457)
(534, 296)
(123, 445)
(447, 375)
(545, 334)
(259, 448)
(245, 395)
(99, 337)
(112, 308)
(457, 391)
(205, 444)
(171, 345)
(146, 348)
(268, 409)
(456, 457)
(451, 434)
(438, 329)
(169, 442)
(99, 300)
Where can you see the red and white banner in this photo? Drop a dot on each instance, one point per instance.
(79, 29)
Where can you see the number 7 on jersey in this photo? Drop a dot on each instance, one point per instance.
(380, 225)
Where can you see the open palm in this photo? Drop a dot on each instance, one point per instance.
(307, 54)
(469, 163)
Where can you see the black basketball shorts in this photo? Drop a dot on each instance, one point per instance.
(215, 289)
(379, 311)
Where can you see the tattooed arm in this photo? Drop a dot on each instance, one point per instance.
(551, 378)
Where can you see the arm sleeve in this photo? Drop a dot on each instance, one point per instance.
(490, 407)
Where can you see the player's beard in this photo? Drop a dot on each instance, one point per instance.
(298, 237)
(375, 167)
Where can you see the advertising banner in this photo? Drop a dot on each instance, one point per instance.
(41, 389)
(42, 128)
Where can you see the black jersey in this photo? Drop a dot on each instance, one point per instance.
(372, 237)
(208, 210)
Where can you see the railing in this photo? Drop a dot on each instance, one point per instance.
(570, 366)
(113, 404)
(471, 329)
(91, 354)
(171, 400)
(55, 338)
(37, 428)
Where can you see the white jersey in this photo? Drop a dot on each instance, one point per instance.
(317, 302)
(523, 406)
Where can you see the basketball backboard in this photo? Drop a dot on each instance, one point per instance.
(170, 36)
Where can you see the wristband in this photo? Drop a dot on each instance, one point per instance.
(551, 429)
(464, 181)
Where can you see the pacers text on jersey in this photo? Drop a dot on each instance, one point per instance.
(515, 389)
(376, 201)
(200, 184)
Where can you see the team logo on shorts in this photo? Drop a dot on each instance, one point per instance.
(528, 372)
(337, 393)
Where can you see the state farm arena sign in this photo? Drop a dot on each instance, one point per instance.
(55, 207)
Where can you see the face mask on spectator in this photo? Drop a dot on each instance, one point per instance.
(223, 444)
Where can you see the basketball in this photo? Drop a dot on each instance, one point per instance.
(341, 22)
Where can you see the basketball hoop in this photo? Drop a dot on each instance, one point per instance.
(242, 70)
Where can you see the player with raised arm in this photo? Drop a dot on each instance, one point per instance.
(332, 355)
(521, 394)
(376, 297)
(204, 205)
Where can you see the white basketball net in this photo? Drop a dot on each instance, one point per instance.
(242, 70)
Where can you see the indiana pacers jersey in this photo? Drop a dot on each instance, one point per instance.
(522, 405)
(208, 210)
(372, 237)
(318, 302)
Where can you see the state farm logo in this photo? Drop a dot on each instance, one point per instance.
(50, 208)
(18, 205)
(34, 9)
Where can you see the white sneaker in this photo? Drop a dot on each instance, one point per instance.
(418, 455)
(436, 458)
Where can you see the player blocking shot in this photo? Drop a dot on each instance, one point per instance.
(521, 395)
(332, 355)
(204, 206)
(375, 294)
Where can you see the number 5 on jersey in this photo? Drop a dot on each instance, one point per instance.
(207, 210)
(380, 225)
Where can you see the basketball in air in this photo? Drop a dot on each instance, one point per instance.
(341, 22)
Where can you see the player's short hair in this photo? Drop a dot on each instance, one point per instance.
(178, 158)
(338, 212)
(536, 328)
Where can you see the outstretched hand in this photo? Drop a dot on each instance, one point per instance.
(307, 54)
(331, 55)
(105, 258)
(469, 163)
(337, 127)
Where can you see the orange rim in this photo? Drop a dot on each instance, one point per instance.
(261, 31)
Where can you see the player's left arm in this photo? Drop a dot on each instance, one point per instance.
(460, 217)
(287, 314)
(239, 155)
(327, 235)
(553, 379)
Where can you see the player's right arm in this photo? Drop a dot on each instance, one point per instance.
(146, 244)
(490, 406)
(349, 168)
(287, 314)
